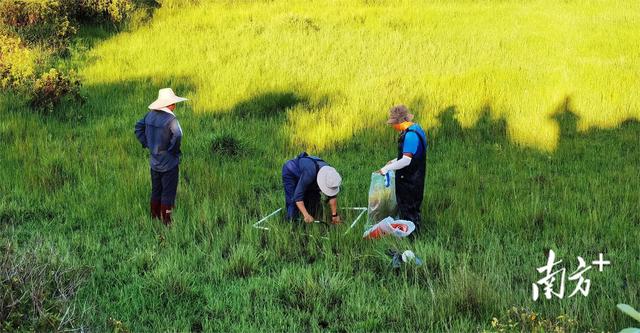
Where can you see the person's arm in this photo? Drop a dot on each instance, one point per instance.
(140, 134)
(398, 164)
(303, 210)
(176, 137)
(333, 204)
(410, 147)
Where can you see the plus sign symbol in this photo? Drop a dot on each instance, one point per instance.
(600, 262)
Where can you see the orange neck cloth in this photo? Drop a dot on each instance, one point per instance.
(402, 126)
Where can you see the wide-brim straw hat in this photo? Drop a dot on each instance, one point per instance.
(166, 97)
(329, 181)
(399, 114)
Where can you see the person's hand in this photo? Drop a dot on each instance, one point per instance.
(308, 219)
(336, 219)
(380, 172)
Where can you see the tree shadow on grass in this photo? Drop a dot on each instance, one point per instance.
(267, 105)
(483, 156)
(252, 127)
(244, 145)
(482, 189)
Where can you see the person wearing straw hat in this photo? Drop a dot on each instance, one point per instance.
(160, 132)
(410, 164)
(304, 178)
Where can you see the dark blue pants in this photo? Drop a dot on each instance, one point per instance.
(290, 181)
(164, 186)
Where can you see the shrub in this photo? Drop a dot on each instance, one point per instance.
(52, 88)
(54, 22)
(520, 319)
(36, 291)
(50, 24)
(19, 73)
(114, 11)
(37, 21)
(17, 64)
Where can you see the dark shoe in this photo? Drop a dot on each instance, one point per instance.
(155, 210)
(166, 214)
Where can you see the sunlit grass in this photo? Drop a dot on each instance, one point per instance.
(527, 106)
(520, 59)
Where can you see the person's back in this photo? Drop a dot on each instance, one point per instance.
(308, 167)
(163, 135)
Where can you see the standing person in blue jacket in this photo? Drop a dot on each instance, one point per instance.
(410, 164)
(160, 132)
(304, 177)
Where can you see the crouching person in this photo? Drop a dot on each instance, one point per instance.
(304, 178)
(160, 132)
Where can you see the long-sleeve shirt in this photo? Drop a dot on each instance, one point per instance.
(160, 132)
(303, 170)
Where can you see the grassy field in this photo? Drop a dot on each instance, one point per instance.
(532, 114)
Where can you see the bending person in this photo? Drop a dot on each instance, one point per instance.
(304, 178)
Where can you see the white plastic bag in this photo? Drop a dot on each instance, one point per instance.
(389, 226)
(382, 197)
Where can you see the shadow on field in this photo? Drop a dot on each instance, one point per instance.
(267, 105)
(252, 128)
(485, 153)
(483, 156)
(242, 145)
(491, 208)
(131, 97)
(483, 189)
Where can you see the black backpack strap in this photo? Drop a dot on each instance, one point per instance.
(315, 161)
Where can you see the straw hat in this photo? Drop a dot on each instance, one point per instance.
(166, 97)
(329, 181)
(399, 114)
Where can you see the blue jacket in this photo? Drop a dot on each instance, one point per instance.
(303, 168)
(161, 133)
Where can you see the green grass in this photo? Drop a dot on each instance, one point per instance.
(531, 110)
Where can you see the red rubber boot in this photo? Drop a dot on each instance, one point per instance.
(166, 214)
(155, 209)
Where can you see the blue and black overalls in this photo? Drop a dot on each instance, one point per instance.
(299, 179)
(410, 179)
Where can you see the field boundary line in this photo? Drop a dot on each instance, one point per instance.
(257, 224)
(363, 210)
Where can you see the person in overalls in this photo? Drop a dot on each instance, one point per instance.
(160, 132)
(410, 164)
(304, 178)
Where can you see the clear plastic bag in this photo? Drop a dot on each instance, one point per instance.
(382, 198)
